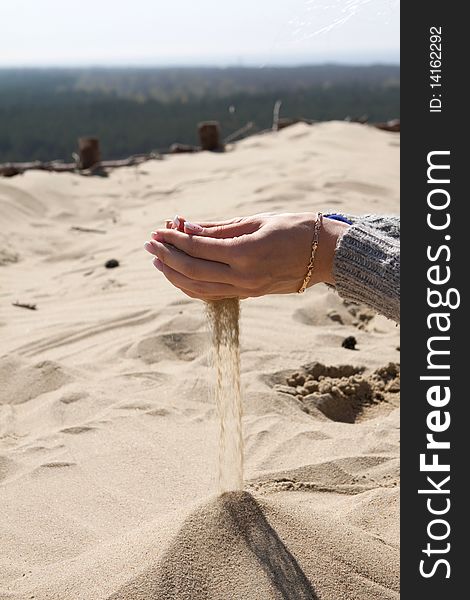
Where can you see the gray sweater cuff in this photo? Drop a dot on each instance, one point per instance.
(367, 268)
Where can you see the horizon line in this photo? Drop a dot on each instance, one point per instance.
(338, 63)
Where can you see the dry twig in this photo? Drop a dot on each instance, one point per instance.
(24, 305)
(87, 229)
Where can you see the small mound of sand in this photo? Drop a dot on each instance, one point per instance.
(24, 382)
(235, 547)
(8, 257)
(351, 475)
(169, 346)
(343, 393)
(226, 549)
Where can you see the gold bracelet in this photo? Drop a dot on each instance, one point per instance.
(316, 232)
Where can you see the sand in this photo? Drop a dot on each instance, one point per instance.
(224, 323)
(108, 424)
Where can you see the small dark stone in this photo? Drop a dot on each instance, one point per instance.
(111, 263)
(349, 342)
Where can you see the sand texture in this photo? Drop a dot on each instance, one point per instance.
(108, 424)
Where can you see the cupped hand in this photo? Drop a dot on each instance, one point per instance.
(245, 257)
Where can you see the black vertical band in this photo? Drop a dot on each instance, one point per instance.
(435, 258)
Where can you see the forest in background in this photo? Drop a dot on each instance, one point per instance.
(137, 110)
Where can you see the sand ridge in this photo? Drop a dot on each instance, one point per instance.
(108, 426)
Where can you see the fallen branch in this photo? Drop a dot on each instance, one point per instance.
(23, 305)
(239, 132)
(56, 166)
(183, 149)
(12, 169)
(136, 159)
(87, 230)
(393, 125)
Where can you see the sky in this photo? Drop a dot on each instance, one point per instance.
(197, 32)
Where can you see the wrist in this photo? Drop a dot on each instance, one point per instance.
(329, 235)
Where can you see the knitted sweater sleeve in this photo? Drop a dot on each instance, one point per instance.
(367, 264)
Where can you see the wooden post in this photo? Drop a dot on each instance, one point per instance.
(209, 135)
(276, 112)
(89, 152)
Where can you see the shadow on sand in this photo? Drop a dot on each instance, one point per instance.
(288, 579)
(226, 549)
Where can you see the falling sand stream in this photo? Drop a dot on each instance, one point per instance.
(223, 318)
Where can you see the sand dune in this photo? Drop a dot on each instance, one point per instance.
(108, 429)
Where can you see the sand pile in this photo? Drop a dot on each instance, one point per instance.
(342, 393)
(238, 547)
(109, 431)
(221, 550)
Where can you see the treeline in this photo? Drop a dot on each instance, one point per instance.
(42, 112)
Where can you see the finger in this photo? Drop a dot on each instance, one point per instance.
(201, 289)
(198, 246)
(222, 229)
(178, 223)
(194, 268)
(235, 229)
(159, 265)
(216, 223)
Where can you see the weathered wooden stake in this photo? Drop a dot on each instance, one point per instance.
(89, 152)
(209, 135)
(276, 112)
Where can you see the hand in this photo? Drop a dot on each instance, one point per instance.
(245, 257)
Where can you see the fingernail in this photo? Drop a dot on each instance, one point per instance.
(168, 223)
(151, 247)
(157, 263)
(178, 223)
(193, 227)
